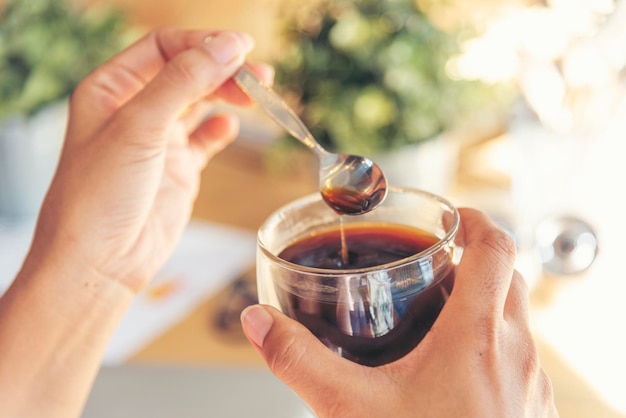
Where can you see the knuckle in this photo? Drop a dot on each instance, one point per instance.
(499, 242)
(545, 385)
(517, 303)
(544, 396)
(489, 329)
(106, 87)
(95, 82)
(183, 69)
(519, 283)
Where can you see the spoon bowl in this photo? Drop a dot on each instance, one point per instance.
(349, 184)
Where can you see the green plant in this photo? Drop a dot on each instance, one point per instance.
(48, 46)
(369, 75)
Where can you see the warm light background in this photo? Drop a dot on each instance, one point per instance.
(257, 17)
(579, 320)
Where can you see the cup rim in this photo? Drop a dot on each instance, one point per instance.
(444, 241)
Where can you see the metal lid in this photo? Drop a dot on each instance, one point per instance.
(567, 245)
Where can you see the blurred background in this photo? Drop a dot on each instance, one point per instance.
(515, 107)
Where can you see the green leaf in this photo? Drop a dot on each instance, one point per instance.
(48, 46)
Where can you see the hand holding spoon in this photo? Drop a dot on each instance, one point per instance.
(349, 184)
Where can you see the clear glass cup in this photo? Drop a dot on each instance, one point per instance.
(374, 314)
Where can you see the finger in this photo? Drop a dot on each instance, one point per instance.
(196, 115)
(483, 276)
(213, 136)
(544, 396)
(148, 56)
(116, 81)
(295, 355)
(231, 93)
(516, 308)
(188, 78)
(228, 92)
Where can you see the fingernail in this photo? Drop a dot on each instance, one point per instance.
(257, 323)
(227, 46)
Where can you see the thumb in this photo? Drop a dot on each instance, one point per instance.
(295, 355)
(191, 76)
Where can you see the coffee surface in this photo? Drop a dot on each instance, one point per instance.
(367, 245)
(359, 325)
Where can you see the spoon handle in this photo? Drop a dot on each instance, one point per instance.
(276, 108)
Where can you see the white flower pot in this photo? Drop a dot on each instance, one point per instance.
(29, 152)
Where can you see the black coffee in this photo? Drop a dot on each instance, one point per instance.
(353, 328)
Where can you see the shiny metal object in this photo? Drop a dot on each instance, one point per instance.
(567, 245)
(350, 184)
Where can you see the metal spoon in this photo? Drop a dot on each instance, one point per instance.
(349, 184)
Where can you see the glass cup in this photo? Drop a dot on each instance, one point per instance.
(371, 313)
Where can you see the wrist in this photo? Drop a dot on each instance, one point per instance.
(55, 322)
(79, 294)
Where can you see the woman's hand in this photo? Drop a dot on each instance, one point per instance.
(478, 360)
(137, 141)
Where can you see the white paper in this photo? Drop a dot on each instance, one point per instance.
(208, 257)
